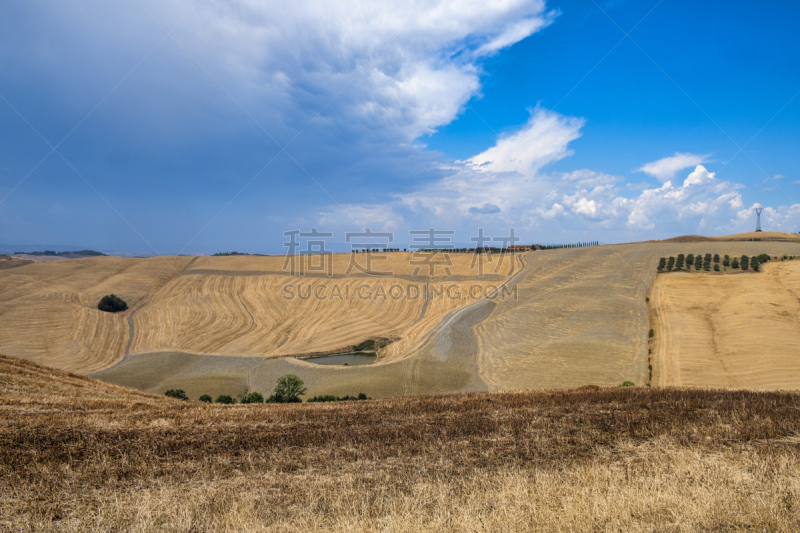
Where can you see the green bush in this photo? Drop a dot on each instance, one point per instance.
(627, 384)
(251, 397)
(205, 398)
(744, 262)
(652, 333)
(111, 303)
(735, 263)
(716, 268)
(179, 394)
(716, 258)
(224, 398)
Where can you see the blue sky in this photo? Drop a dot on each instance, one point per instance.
(189, 126)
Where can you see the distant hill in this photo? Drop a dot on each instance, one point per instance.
(68, 255)
(751, 236)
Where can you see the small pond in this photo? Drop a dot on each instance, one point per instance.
(348, 359)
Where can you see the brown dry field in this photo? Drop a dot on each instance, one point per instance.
(728, 330)
(77, 454)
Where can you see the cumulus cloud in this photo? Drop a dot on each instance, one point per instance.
(666, 168)
(507, 174)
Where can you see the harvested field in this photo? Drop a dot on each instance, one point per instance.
(234, 306)
(728, 330)
(581, 316)
(76, 454)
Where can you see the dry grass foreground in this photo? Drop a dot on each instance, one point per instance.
(728, 330)
(222, 306)
(77, 455)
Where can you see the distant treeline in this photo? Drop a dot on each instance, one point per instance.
(710, 262)
(79, 253)
(234, 253)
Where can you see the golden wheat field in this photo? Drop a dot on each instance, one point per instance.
(234, 306)
(77, 454)
(728, 330)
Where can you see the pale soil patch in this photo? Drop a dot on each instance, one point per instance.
(728, 330)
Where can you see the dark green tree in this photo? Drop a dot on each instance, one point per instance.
(716, 268)
(111, 303)
(744, 262)
(716, 258)
(698, 263)
(689, 260)
(670, 263)
(680, 261)
(662, 264)
(735, 263)
(754, 262)
(205, 398)
(288, 390)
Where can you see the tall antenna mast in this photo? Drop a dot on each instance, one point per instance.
(758, 218)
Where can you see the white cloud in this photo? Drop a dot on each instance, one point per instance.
(665, 169)
(407, 66)
(544, 139)
(699, 176)
(507, 174)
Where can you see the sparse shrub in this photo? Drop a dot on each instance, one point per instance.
(251, 397)
(205, 398)
(367, 345)
(111, 303)
(224, 398)
(652, 333)
(178, 394)
(627, 384)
